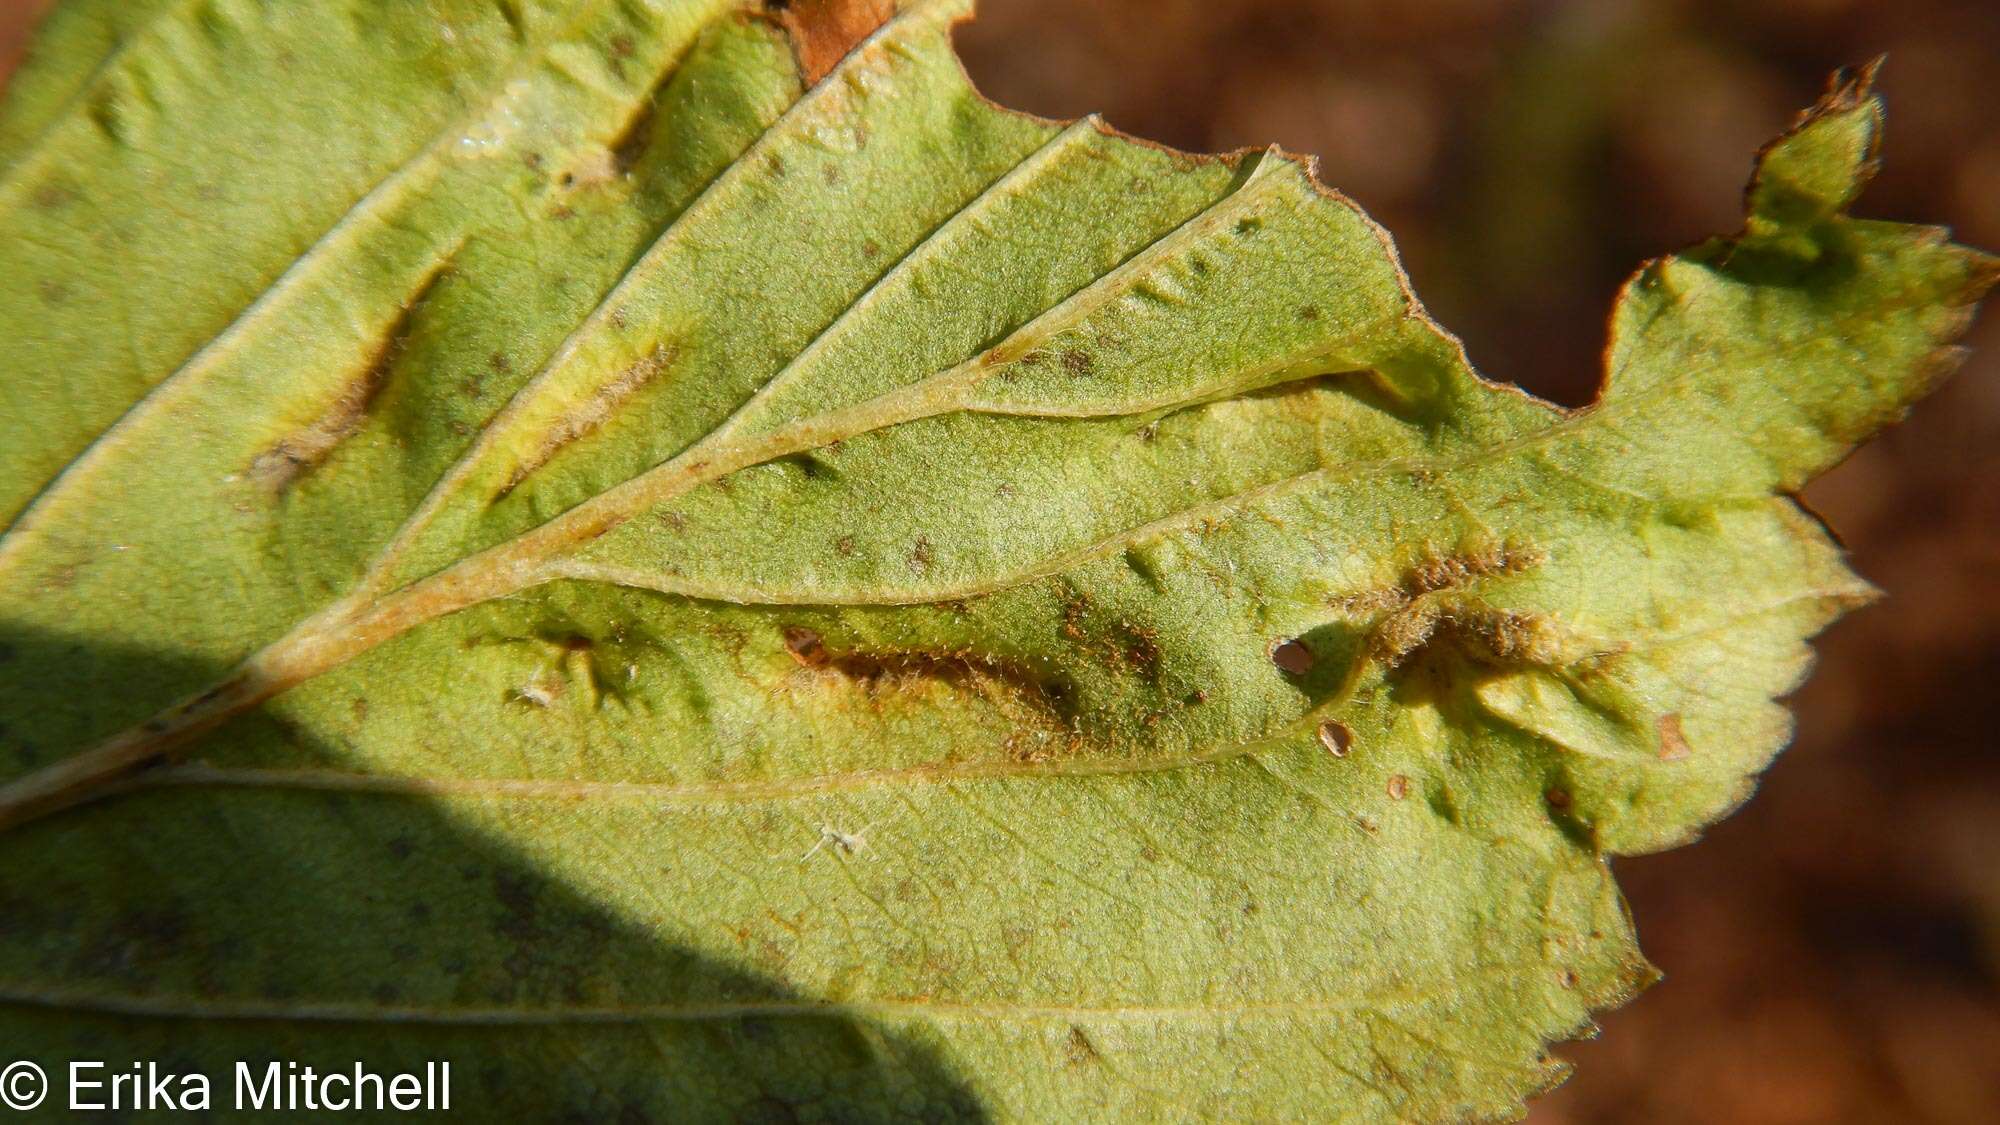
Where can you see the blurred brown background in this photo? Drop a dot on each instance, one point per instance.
(1833, 951)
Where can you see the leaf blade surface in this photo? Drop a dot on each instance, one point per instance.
(699, 567)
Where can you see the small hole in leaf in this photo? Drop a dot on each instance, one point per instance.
(1336, 738)
(1292, 657)
(805, 646)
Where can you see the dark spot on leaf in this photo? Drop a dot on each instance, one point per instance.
(54, 193)
(1308, 312)
(844, 546)
(520, 909)
(1558, 799)
(1078, 362)
(1399, 787)
(920, 554)
(1078, 1049)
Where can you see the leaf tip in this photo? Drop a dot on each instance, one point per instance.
(1818, 167)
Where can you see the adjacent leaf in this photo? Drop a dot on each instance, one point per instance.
(558, 537)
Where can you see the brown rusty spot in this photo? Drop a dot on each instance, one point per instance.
(889, 678)
(1308, 312)
(1673, 740)
(1142, 648)
(586, 416)
(1336, 737)
(823, 31)
(1403, 632)
(1292, 657)
(1399, 787)
(1558, 799)
(305, 448)
(920, 554)
(1078, 362)
(1443, 571)
(1078, 1049)
(54, 193)
(1409, 619)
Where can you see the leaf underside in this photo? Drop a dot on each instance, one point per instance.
(571, 538)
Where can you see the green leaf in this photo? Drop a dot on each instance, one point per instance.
(542, 536)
